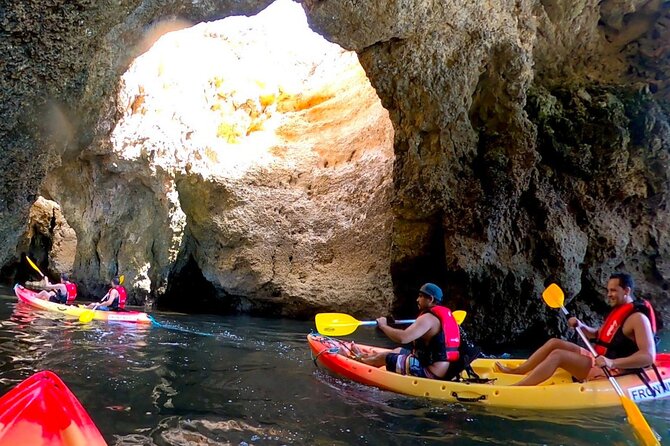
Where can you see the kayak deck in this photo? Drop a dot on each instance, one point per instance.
(557, 393)
(42, 411)
(28, 296)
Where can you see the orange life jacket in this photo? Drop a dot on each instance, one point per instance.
(71, 292)
(123, 295)
(441, 348)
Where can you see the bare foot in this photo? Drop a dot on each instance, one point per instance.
(354, 351)
(504, 369)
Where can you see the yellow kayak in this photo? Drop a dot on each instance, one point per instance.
(558, 392)
(28, 296)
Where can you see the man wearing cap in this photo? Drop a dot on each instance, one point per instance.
(435, 336)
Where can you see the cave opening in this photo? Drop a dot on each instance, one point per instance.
(190, 292)
(429, 266)
(243, 128)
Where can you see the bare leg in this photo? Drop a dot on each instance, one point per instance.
(539, 356)
(44, 295)
(575, 363)
(375, 359)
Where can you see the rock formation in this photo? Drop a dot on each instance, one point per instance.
(495, 107)
(530, 144)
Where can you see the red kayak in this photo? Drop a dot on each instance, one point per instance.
(42, 411)
(29, 297)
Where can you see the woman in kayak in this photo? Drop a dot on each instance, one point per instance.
(54, 292)
(624, 341)
(435, 335)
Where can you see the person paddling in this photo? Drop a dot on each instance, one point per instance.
(624, 341)
(114, 300)
(435, 335)
(63, 292)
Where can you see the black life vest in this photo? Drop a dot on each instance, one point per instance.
(611, 341)
(613, 344)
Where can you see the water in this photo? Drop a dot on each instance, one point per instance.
(253, 383)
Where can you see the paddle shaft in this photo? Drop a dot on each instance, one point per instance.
(411, 321)
(615, 384)
(35, 267)
(372, 323)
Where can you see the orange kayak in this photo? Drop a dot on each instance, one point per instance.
(42, 411)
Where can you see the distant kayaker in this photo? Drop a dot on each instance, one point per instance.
(435, 335)
(114, 300)
(62, 293)
(624, 341)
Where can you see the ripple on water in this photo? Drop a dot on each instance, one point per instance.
(176, 431)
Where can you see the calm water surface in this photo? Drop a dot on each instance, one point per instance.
(253, 382)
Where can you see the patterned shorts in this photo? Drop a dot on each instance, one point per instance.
(405, 363)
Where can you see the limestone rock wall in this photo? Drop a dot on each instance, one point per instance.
(58, 77)
(483, 205)
(529, 137)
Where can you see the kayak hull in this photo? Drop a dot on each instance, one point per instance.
(28, 296)
(557, 393)
(42, 411)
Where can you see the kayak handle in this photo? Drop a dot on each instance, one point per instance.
(463, 399)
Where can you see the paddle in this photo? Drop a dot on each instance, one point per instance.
(88, 315)
(554, 297)
(341, 324)
(34, 266)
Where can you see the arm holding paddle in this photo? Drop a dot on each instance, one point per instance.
(342, 324)
(418, 328)
(106, 301)
(590, 332)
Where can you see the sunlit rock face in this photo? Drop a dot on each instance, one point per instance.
(263, 155)
(58, 76)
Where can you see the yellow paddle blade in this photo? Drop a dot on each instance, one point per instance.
(34, 266)
(553, 296)
(122, 278)
(459, 315)
(86, 316)
(336, 324)
(642, 430)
